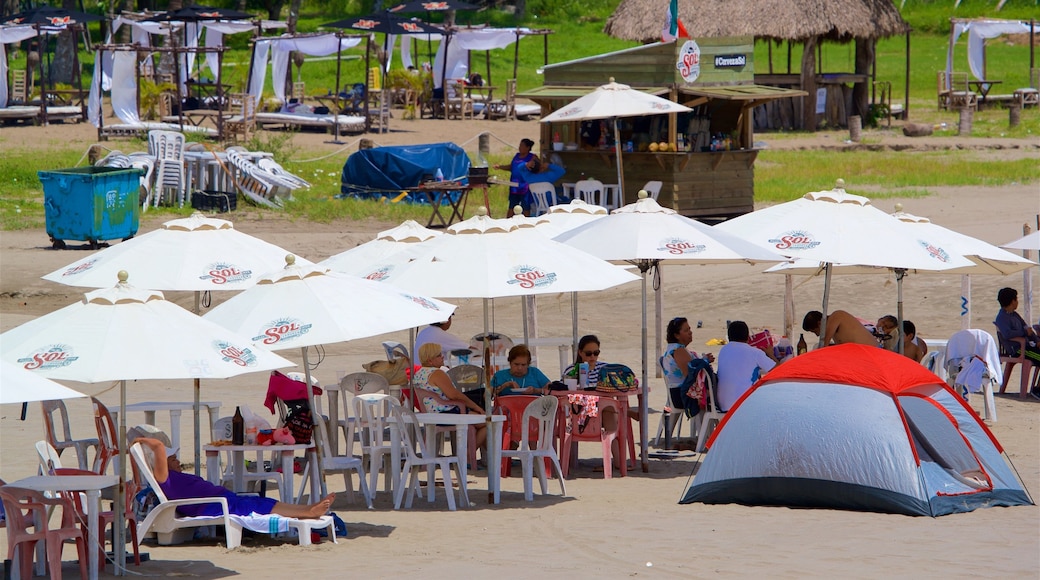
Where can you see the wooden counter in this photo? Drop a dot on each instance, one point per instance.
(710, 184)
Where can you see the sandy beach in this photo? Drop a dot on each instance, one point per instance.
(622, 527)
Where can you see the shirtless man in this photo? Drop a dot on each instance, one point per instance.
(842, 328)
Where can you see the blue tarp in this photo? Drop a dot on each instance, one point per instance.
(386, 171)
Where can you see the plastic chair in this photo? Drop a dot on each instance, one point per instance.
(1008, 357)
(106, 518)
(163, 519)
(168, 149)
(223, 430)
(592, 430)
(544, 197)
(374, 417)
(23, 509)
(707, 416)
(422, 396)
(418, 458)
(536, 444)
(350, 386)
(467, 377)
(653, 188)
(80, 445)
(513, 407)
(967, 347)
(108, 449)
(338, 464)
(592, 191)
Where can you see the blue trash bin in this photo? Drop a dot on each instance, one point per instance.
(91, 204)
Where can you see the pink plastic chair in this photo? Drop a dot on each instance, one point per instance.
(589, 428)
(24, 508)
(512, 406)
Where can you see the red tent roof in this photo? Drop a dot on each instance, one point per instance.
(856, 364)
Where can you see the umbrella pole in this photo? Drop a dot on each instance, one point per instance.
(900, 274)
(119, 537)
(789, 306)
(574, 325)
(524, 313)
(826, 298)
(487, 393)
(644, 404)
(620, 172)
(197, 406)
(317, 474)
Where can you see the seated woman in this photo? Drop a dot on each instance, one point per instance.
(588, 352)
(675, 361)
(176, 485)
(435, 380)
(520, 378)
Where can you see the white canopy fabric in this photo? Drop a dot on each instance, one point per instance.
(215, 32)
(461, 42)
(978, 31)
(1028, 242)
(279, 49)
(124, 88)
(18, 385)
(10, 35)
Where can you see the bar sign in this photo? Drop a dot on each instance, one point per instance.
(730, 61)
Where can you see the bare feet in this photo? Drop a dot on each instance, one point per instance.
(322, 507)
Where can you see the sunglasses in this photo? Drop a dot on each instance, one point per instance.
(591, 353)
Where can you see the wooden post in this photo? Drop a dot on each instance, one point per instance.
(855, 128)
(967, 116)
(1014, 114)
(809, 84)
(483, 145)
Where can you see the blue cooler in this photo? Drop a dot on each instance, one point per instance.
(91, 204)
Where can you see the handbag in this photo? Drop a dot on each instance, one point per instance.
(616, 378)
(299, 420)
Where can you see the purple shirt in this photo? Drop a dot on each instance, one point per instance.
(187, 486)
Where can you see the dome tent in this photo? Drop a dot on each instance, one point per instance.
(856, 427)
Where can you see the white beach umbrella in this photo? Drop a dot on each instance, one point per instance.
(986, 259)
(18, 385)
(193, 254)
(386, 244)
(611, 101)
(645, 234)
(1027, 242)
(835, 227)
(125, 334)
(303, 306)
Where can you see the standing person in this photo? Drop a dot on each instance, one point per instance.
(523, 156)
(740, 365)
(438, 333)
(520, 378)
(842, 328)
(1011, 325)
(176, 485)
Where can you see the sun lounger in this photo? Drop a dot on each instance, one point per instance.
(33, 113)
(347, 123)
(142, 129)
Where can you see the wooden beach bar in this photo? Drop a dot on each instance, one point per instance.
(705, 158)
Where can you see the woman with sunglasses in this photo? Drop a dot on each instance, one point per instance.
(588, 352)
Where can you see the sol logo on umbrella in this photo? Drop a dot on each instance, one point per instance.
(531, 277)
(935, 251)
(223, 273)
(51, 356)
(80, 268)
(679, 246)
(409, 27)
(364, 24)
(282, 329)
(795, 240)
(243, 357)
(61, 20)
(380, 274)
(425, 303)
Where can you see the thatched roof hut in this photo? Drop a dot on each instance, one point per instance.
(797, 20)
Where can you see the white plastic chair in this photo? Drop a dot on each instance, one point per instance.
(592, 191)
(350, 386)
(223, 430)
(708, 415)
(80, 445)
(418, 458)
(374, 423)
(168, 149)
(532, 455)
(163, 519)
(653, 188)
(544, 197)
(338, 464)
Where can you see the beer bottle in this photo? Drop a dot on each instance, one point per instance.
(238, 428)
(802, 347)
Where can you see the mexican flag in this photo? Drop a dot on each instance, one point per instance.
(673, 27)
